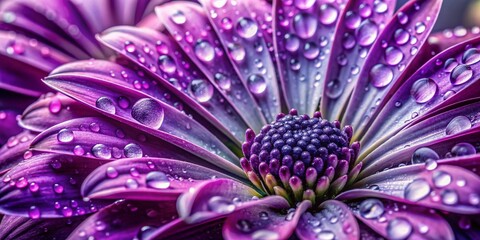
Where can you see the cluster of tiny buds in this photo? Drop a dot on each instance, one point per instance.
(301, 158)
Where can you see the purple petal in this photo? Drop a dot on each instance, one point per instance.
(443, 40)
(147, 114)
(248, 50)
(126, 220)
(51, 110)
(11, 105)
(206, 52)
(397, 220)
(264, 221)
(438, 130)
(355, 33)
(14, 227)
(214, 199)
(390, 60)
(159, 55)
(449, 77)
(105, 139)
(447, 188)
(48, 186)
(334, 220)
(12, 152)
(309, 26)
(145, 179)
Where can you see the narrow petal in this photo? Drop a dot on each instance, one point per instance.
(158, 54)
(433, 128)
(390, 61)
(14, 227)
(105, 139)
(197, 38)
(356, 31)
(334, 220)
(449, 77)
(126, 220)
(398, 220)
(447, 188)
(302, 38)
(48, 186)
(214, 199)
(248, 51)
(153, 179)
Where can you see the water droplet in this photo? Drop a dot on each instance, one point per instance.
(399, 228)
(256, 84)
(334, 89)
(132, 150)
(204, 51)
(449, 197)
(220, 205)
(219, 3)
(223, 81)
(106, 104)
(417, 190)
(348, 41)
(237, 52)
(131, 184)
(146, 231)
(34, 212)
(328, 14)
(129, 47)
(393, 56)
(423, 90)
(311, 50)
(458, 124)
(123, 102)
(157, 180)
(244, 225)
(402, 18)
(420, 27)
(178, 17)
(365, 10)
(450, 64)
(65, 135)
(246, 27)
(441, 179)
(305, 25)
(112, 172)
(471, 56)
(34, 187)
(463, 149)
(167, 64)
(101, 151)
(473, 199)
(461, 74)
(352, 20)
(380, 7)
(201, 90)
(21, 182)
(304, 4)
(148, 112)
(401, 36)
(371, 208)
(292, 43)
(57, 188)
(381, 75)
(431, 164)
(423, 154)
(78, 150)
(366, 33)
(55, 105)
(265, 234)
(264, 215)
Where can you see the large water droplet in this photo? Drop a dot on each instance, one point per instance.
(311, 50)
(441, 179)
(422, 154)
(381, 75)
(463, 149)
(304, 4)
(417, 190)
(106, 104)
(471, 56)
(201, 90)
(292, 43)
(246, 27)
(148, 112)
(458, 124)
(461, 74)
(204, 51)
(34, 212)
(65, 135)
(221, 205)
(449, 197)
(420, 27)
(157, 180)
(401, 36)
(450, 64)
(178, 17)
(167, 64)
(399, 228)
(366, 33)
(132, 150)
(393, 56)
(305, 25)
(352, 20)
(256, 84)
(328, 14)
(101, 151)
(334, 89)
(423, 90)
(223, 81)
(237, 52)
(371, 208)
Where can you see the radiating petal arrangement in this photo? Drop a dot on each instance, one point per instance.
(237, 119)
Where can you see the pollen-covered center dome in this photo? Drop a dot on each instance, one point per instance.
(301, 158)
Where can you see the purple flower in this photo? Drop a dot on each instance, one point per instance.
(180, 133)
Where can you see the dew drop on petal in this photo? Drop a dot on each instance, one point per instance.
(55, 105)
(441, 179)
(256, 84)
(420, 27)
(123, 102)
(421, 155)
(402, 18)
(246, 27)
(371, 208)
(450, 64)
(423, 90)
(157, 180)
(401, 36)
(399, 228)
(167, 64)
(304, 4)
(201, 90)
(381, 75)
(148, 112)
(101, 151)
(292, 43)
(463, 149)
(328, 14)
(449, 197)
(220, 205)
(311, 50)
(471, 56)
(223, 81)
(132, 150)
(265, 234)
(334, 89)
(461, 74)
(131, 184)
(78, 150)
(111, 172)
(366, 33)
(34, 212)
(129, 47)
(145, 232)
(106, 104)
(393, 56)
(417, 190)
(178, 17)
(305, 25)
(204, 51)
(352, 20)
(243, 225)
(458, 124)
(65, 135)
(237, 52)
(325, 235)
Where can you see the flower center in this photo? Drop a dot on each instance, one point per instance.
(301, 158)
